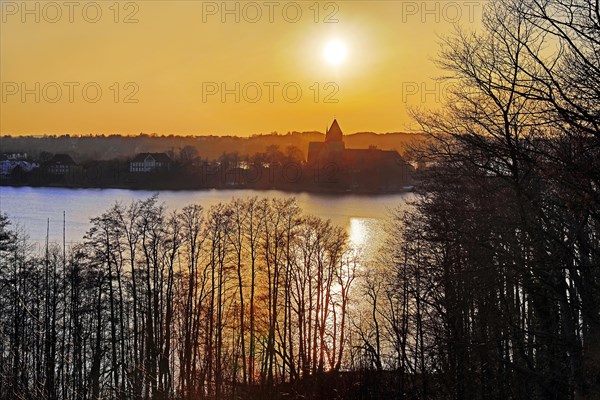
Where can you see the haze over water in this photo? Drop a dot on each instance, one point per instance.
(361, 216)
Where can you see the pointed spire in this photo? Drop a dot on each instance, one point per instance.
(334, 133)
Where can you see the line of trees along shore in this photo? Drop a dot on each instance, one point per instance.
(488, 285)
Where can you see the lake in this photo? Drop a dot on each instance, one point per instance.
(362, 216)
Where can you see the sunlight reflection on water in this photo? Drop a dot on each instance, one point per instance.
(358, 232)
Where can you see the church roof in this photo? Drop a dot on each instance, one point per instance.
(334, 133)
(61, 159)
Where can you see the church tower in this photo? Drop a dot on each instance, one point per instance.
(332, 150)
(334, 142)
(334, 133)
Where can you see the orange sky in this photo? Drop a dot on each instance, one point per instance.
(161, 66)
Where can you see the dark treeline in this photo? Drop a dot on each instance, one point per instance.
(189, 304)
(494, 275)
(275, 168)
(109, 147)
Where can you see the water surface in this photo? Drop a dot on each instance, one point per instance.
(362, 216)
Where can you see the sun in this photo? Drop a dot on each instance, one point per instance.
(335, 52)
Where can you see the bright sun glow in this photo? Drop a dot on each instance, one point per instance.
(335, 52)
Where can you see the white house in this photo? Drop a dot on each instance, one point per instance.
(147, 162)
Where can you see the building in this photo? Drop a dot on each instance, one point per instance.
(8, 166)
(332, 149)
(60, 164)
(369, 169)
(148, 162)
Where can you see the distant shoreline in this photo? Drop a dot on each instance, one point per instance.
(407, 189)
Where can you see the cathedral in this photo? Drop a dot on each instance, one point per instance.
(359, 168)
